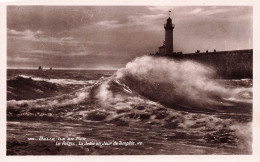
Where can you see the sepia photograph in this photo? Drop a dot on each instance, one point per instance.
(129, 80)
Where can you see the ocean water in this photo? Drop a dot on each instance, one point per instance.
(151, 106)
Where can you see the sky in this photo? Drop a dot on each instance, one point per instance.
(107, 37)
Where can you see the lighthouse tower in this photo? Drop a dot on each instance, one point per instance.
(169, 36)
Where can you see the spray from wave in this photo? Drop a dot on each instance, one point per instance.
(178, 83)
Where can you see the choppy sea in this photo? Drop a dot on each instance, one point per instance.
(151, 106)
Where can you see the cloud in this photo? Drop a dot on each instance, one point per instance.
(39, 36)
(208, 11)
(35, 51)
(47, 18)
(197, 10)
(108, 24)
(27, 35)
(148, 21)
(21, 59)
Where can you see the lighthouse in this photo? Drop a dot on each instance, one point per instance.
(169, 36)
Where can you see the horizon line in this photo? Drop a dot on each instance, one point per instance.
(53, 68)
